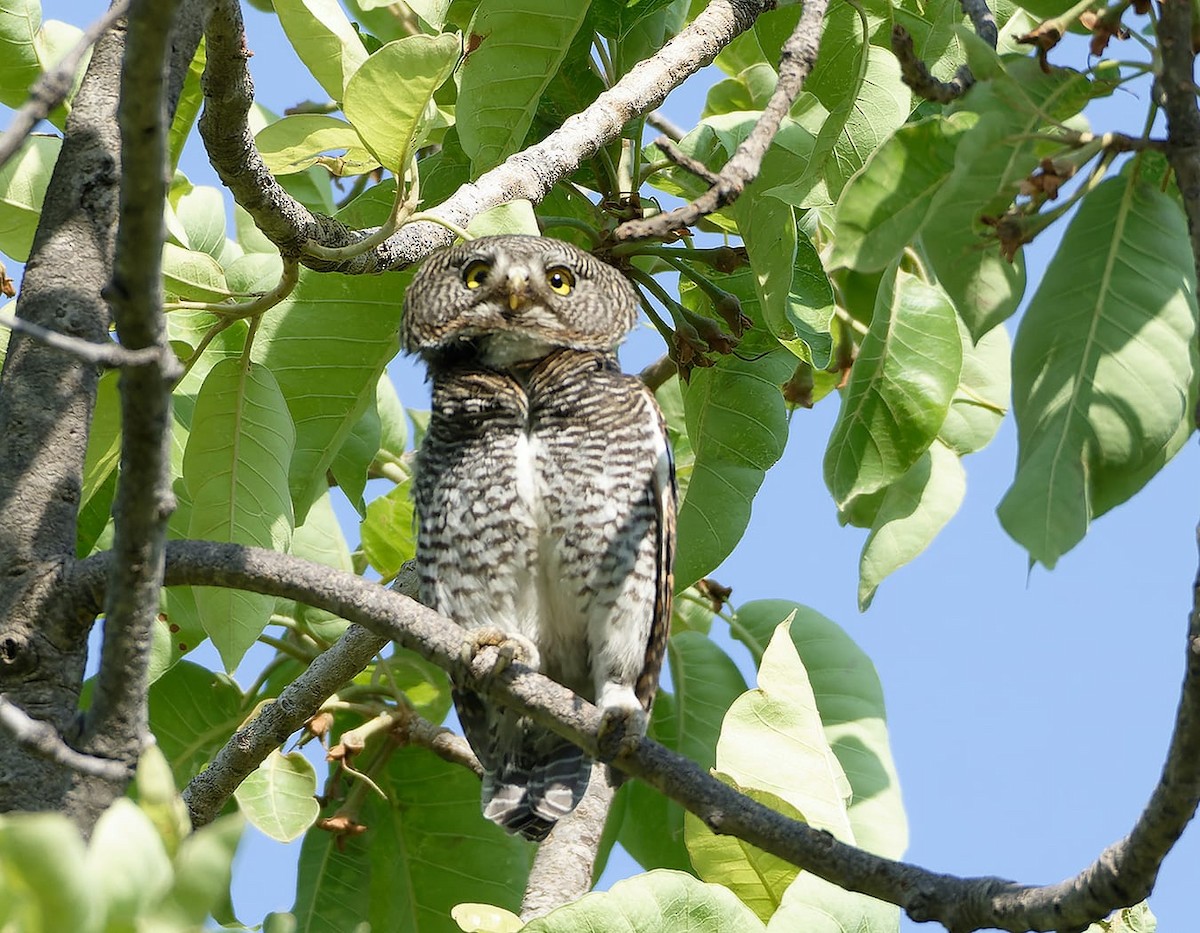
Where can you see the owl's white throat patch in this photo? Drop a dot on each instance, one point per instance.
(501, 350)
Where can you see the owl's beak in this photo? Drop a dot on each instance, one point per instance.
(518, 288)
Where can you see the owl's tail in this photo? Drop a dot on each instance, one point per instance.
(531, 791)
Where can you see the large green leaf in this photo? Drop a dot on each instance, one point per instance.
(900, 389)
(388, 98)
(325, 40)
(815, 905)
(193, 711)
(389, 531)
(426, 849)
(982, 397)
(235, 467)
(522, 43)
(850, 700)
(737, 426)
(42, 875)
(354, 320)
(303, 139)
(886, 204)
(127, 865)
(1104, 366)
(652, 903)
(23, 183)
(991, 160)
(706, 682)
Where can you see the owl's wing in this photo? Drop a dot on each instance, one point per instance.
(665, 496)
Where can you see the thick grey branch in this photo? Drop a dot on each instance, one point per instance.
(1177, 91)
(1122, 875)
(43, 740)
(797, 58)
(529, 174)
(117, 723)
(53, 86)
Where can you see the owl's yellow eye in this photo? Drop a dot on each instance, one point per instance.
(560, 279)
(476, 273)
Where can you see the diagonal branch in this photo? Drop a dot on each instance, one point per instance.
(108, 354)
(53, 86)
(797, 58)
(1122, 875)
(529, 174)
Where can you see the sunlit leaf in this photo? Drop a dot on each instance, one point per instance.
(278, 796)
(1104, 366)
(23, 183)
(324, 39)
(300, 140)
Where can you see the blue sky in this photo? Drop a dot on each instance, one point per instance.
(1029, 712)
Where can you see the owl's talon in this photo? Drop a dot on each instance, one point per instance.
(621, 729)
(510, 647)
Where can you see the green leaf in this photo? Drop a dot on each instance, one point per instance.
(193, 275)
(815, 905)
(187, 107)
(324, 39)
(355, 322)
(193, 711)
(911, 513)
(511, 217)
(278, 797)
(320, 540)
(1104, 366)
(201, 212)
(1135, 919)
(46, 886)
(484, 918)
(127, 866)
(23, 183)
(303, 139)
(900, 389)
(203, 867)
(651, 903)
(886, 204)
(737, 426)
(104, 438)
(357, 453)
(235, 467)
(758, 878)
(20, 21)
(983, 393)
(850, 700)
(689, 721)
(502, 80)
(750, 89)
(388, 98)
(428, 849)
(389, 532)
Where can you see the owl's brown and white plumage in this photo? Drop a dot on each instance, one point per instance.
(545, 496)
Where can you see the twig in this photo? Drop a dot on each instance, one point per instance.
(916, 74)
(665, 125)
(1122, 875)
(659, 372)
(110, 355)
(117, 725)
(43, 739)
(796, 60)
(52, 87)
(685, 161)
(529, 174)
(982, 20)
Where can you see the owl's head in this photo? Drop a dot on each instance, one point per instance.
(516, 298)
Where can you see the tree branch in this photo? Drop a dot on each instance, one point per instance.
(1123, 875)
(117, 724)
(797, 58)
(53, 86)
(43, 740)
(1177, 92)
(107, 354)
(563, 867)
(528, 174)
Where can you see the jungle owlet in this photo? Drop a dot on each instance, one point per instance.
(545, 496)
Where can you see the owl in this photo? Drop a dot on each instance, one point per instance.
(545, 498)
